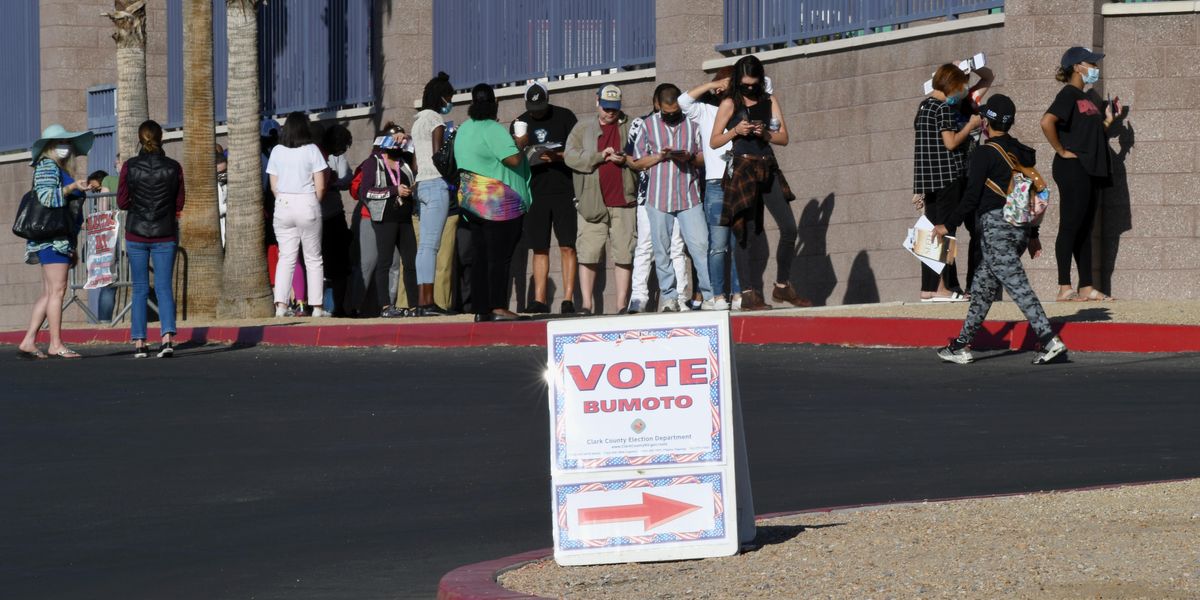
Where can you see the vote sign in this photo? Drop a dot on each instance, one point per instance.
(642, 438)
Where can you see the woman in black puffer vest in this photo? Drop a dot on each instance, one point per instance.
(151, 190)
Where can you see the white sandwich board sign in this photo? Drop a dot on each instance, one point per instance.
(646, 454)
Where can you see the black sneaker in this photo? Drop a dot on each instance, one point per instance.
(167, 350)
(1050, 351)
(567, 308)
(537, 308)
(141, 351)
(392, 312)
(432, 310)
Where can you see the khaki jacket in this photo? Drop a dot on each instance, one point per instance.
(581, 155)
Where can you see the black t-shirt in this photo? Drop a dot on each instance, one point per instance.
(1081, 128)
(550, 179)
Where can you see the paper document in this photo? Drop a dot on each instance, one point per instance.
(920, 243)
(534, 153)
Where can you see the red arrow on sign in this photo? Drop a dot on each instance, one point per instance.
(653, 512)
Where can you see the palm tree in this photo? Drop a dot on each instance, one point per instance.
(199, 226)
(129, 18)
(245, 291)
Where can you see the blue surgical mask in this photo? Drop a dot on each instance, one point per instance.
(954, 99)
(449, 106)
(1093, 75)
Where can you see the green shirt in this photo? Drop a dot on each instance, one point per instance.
(479, 146)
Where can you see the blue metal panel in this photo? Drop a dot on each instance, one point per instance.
(102, 120)
(766, 23)
(313, 56)
(512, 41)
(21, 93)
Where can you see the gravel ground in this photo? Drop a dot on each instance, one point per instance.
(1140, 541)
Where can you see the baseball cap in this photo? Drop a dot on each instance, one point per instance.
(610, 97)
(1078, 54)
(537, 97)
(999, 110)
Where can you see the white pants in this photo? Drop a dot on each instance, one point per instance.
(643, 260)
(297, 225)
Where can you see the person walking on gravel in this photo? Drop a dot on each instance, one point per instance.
(991, 170)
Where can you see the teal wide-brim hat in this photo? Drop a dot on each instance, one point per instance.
(81, 141)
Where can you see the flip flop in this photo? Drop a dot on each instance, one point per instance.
(1097, 296)
(67, 354)
(953, 297)
(35, 355)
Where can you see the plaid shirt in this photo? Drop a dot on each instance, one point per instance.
(935, 167)
(670, 186)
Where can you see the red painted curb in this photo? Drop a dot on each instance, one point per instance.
(840, 331)
(479, 581)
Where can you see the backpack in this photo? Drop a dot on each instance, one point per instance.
(356, 182)
(1027, 197)
(444, 160)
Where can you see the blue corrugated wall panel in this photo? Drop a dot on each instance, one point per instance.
(21, 93)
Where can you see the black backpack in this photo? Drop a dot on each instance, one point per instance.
(444, 160)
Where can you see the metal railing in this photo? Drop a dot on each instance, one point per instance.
(512, 41)
(778, 23)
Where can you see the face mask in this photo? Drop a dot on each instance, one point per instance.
(752, 90)
(449, 106)
(674, 118)
(956, 98)
(1093, 75)
(62, 152)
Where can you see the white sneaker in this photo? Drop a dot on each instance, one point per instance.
(318, 312)
(736, 304)
(684, 304)
(1050, 351)
(636, 305)
(717, 303)
(280, 311)
(670, 306)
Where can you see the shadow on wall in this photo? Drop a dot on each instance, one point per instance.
(813, 275)
(1116, 217)
(861, 287)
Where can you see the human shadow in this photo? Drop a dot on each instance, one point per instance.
(1087, 315)
(812, 272)
(770, 535)
(1116, 216)
(861, 287)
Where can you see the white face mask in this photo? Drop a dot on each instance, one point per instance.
(62, 152)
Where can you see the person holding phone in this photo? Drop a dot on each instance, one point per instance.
(1075, 128)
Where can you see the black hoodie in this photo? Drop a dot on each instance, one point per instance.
(986, 163)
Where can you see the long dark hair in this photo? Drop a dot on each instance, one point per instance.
(295, 132)
(436, 92)
(747, 66)
(483, 103)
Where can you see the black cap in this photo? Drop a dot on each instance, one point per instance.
(999, 111)
(537, 98)
(1078, 54)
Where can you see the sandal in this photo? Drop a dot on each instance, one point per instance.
(1097, 296)
(67, 353)
(953, 297)
(1069, 296)
(35, 355)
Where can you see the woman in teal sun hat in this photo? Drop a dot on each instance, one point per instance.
(55, 188)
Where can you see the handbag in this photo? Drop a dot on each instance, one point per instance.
(37, 222)
(444, 159)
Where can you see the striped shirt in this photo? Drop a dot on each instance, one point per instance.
(48, 183)
(670, 186)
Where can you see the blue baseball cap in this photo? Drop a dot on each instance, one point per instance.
(1078, 54)
(609, 97)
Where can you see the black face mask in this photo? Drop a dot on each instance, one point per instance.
(674, 118)
(750, 90)
(395, 154)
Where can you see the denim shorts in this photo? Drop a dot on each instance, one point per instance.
(50, 256)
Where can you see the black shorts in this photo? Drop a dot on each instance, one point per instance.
(556, 211)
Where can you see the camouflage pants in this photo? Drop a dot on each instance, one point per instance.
(1003, 245)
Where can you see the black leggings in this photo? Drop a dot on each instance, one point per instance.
(751, 251)
(493, 243)
(390, 237)
(1077, 213)
(781, 211)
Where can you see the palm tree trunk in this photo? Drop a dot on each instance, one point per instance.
(129, 18)
(199, 227)
(245, 289)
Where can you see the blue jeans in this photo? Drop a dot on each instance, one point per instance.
(433, 204)
(718, 241)
(695, 236)
(140, 256)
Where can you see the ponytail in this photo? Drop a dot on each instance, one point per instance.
(1063, 74)
(150, 136)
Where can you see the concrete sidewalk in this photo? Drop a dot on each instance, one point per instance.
(1117, 326)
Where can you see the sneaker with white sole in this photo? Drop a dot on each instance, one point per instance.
(736, 302)
(319, 312)
(281, 311)
(670, 306)
(1050, 351)
(717, 303)
(636, 305)
(960, 354)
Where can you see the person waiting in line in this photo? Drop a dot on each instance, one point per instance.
(295, 168)
(700, 105)
(939, 167)
(606, 195)
(553, 205)
(55, 189)
(643, 251)
(335, 236)
(752, 120)
(1076, 128)
(1002, 243)
(494, 195)
(431, 211)
(151, 191)
(95, 182)
(385, 196)
(671, 153)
